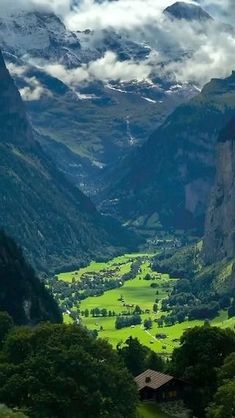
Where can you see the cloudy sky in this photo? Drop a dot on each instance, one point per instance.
(117, 13)
(211, 49)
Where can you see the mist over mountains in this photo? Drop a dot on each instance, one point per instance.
(119, 105)
(117, 208)
(83, 78)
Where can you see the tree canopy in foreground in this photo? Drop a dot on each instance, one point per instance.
(59, 371)
(202, 351)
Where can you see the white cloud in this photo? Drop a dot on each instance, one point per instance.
(104, 69)
(62, 7)
(207, 53)
(131, 14)
(116, 14)
(221, 9)
(34, 91)
(71, 77)
(109, 68)
(16, 70)
(95, 14)
(215, 58)
(199, 56)
(196, 55)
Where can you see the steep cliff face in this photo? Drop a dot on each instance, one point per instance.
(52, 220)
(21, 293)
(170, 177)
(219, 240)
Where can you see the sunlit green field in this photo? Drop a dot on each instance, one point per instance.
(123, 262)
(147, 338)
(135, 292)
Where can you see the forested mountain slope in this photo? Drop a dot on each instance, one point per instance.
(52, 220)
(22, 295)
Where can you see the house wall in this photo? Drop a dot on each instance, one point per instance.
(169, 392)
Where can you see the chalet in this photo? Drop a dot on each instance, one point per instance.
(161, 336)
(155, 386)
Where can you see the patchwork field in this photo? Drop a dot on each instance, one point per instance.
(137, 291)
(123, 262)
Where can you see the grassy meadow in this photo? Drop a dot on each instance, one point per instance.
(124, 262)
(137, 291)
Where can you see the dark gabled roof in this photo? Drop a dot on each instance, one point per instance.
(152, 379)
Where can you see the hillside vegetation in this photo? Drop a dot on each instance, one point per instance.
(55, 223)
(22, 295)
(61, 371)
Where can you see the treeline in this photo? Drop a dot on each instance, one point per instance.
(127, 321)
(64, 371)
(68, 295)
(183, 263)
(183, 305)
(193, 296)
(206, 359)
(98, 312)
(135, 267)
(138, 358)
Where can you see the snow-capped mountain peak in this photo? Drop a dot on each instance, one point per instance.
(37, 33)
(187, 11)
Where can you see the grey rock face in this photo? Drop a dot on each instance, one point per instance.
(187, 11)
(219, 240)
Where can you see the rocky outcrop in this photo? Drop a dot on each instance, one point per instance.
(187, 11)
(219, 242)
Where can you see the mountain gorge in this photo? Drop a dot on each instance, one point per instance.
(169, 178)
(117, 209)
(95, 96)
(92, 132)
(52, 220)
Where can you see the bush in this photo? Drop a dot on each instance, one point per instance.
(123, 322)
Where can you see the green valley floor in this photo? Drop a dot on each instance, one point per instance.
(137, 291)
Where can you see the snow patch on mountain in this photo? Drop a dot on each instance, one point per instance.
(149, 100)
